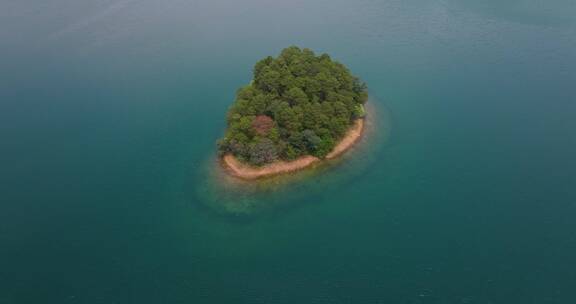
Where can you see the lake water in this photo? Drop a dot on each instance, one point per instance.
(465, 191)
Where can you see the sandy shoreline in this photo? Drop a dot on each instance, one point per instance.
(244, 171)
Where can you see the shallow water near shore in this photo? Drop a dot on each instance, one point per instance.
(232, 195)
(110, 111)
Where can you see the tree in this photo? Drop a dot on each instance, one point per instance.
(262, 124)
(263, 151)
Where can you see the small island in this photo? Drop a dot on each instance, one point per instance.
(298, 110)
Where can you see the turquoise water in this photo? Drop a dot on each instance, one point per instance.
(464, 193)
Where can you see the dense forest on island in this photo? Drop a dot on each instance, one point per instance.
(297, 104)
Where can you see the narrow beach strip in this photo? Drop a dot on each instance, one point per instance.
(244, 171)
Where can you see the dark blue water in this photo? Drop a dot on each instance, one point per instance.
(465, 192)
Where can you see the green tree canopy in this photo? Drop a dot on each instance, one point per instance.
(297, 104)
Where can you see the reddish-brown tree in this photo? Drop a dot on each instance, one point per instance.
(262, 124)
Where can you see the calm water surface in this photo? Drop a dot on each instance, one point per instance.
(110, 109)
